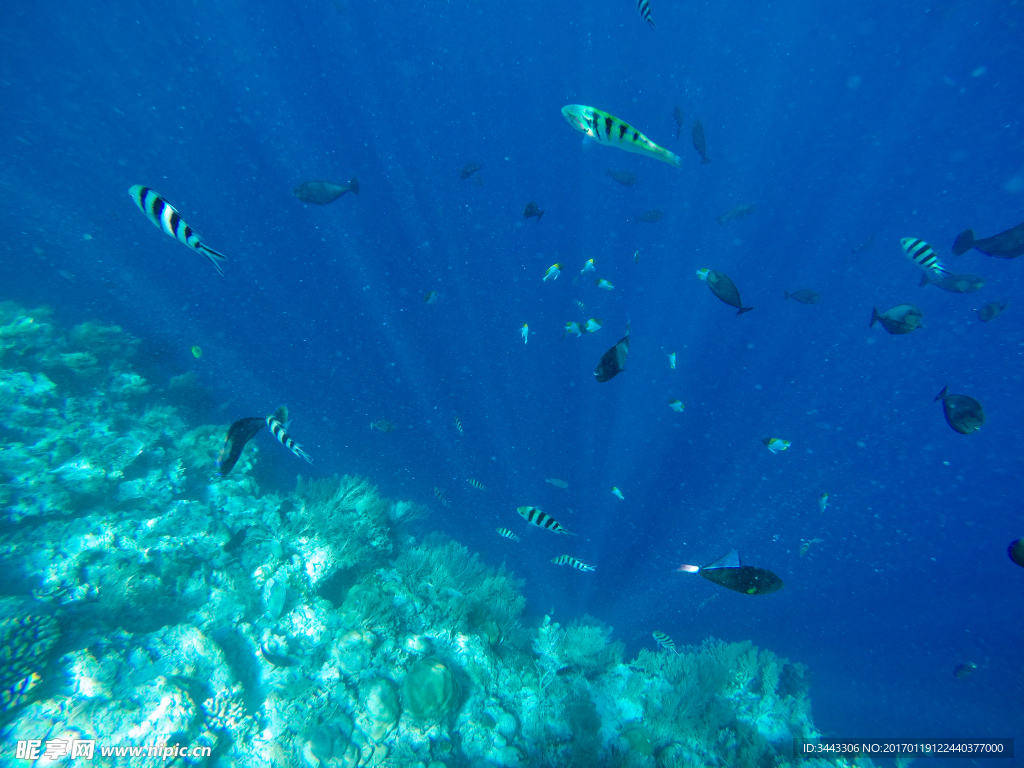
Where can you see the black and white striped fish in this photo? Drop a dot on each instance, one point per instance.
(664, 641)
(645, 11)
(458, 425)
(163, 215)
(922, 254)
(507, 534)
(534, 516)
(440, 496)
(572, 562)
(476, 484)
(276, 422)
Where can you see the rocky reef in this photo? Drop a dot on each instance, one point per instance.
(145, 600)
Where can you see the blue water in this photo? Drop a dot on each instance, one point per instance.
(840, 122)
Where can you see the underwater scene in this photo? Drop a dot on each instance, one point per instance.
(464, 385)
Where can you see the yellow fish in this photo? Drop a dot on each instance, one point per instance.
(526, 333)
(676, 406)
(703, 274)
(602, 283)
(608, 129)
(617, 493)
(588, 267)
(553, 272)
(672, 360)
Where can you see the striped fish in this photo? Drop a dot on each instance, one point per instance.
(440, 496)
(458, 425)
(507, 534)
(645, 11)
(664, 641)
(922, 254)
(534, 516)
(571, 561)
(607, 129)
(276, 422)
(163, 215)
(476, 484)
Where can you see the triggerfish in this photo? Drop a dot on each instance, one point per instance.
(963, 413)
(729, 573)
(165, 218)
(607, 129)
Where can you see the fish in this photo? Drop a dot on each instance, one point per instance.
(804, 296)
(602, 283)
(948, 281)
(507, 534)
(672, 360)
(197, 352)
(580, 305)
(592, 325)
(775, 445)
(553, 272)
(903, 318)
(588, 267)
(806, 545)
(677, 115)
(991, 311)
(66, 275)
(625, 178)
(556, 482)
(276, 421)
(613, 361)
(440, 496)
(697, 134)
(636, 256)
(239, 433)
(469, 170)
(534, 516)
(960, 671)
(652, 216)
(573, 328)
(1005, 245)
(862, 246)
(476, 484)
(525, 333)
(703, 274)
(736, 212)
(963, 413)
(163, 216)
(676, 405)
(458, 424)
(726, 290)
(383, 425)
(617, 493)
(1016, 551)
(664, 641)
(608, 129)
(728, 572)
(430, 297)
(572, 562)
(823, 502)
(237, 539)
(922, 254)
(645, 12)
(532, 210)
(324, 192)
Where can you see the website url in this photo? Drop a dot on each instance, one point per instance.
(57, 749)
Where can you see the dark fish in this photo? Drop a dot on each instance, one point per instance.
(736, 212)
(625, 178)
(652, 216)
(238, 435)
(947, 281)
(726, 290)
(964, 670)
(165, 218)
(729, 573)
(698, 141)
(383, 425)
(237, 538)
(903, 318)
(1016, 552)
(324, 192)
(613, 361)
(276, 422)
(863, 246)
(469, 170)
(532, 210)
(804, 296)
(677, 115)
(963, 413)
(990, 312)
(1005, 245)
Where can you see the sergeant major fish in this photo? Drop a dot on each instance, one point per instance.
(476, 484)
(645, 12)
(607, 129)
(664, 641)
(163, 216)
(534, 516)
(507, 534)
(276, 421)
(458, 425)
(922, 254)
(440, 496)
(572, 562)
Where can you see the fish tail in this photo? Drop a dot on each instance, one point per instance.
(744, 309)
(942, 394)
(539, 216)
(924, 280)
(964, 242)
(670, 157)
(875, 317)
(215, 257)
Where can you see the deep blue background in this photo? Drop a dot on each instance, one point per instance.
(840, 122)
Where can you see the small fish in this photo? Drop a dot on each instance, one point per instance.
(580, 305)
(953, 283)
(588, 267)
(469, 170)
(726, 290)
(991, 311)
(556, 482)
(507, 534)
(592, 325)
(534, 516)
(922, 254)
(804, 296)
(197, 352)
(652, 216)
(383, 425)
(571, 561)
(964, 670)
(617, 493)
(625, 178)
(863, 246)
(806, 545)
(672, 360)
(823, 502)
(532, 210)
(573, 328)
(736, 212)
(636, 256)
(237, 539)
(602, 283)
(703, 274)
(525, 333)
(440, 496)
(775, 444)
(276, 421)
(903, 318)
(677, 115)
(963, 413)
(664, 641)
(430, 297)
(553, 272)
(697, 134)
(613, 361)
(608, 129)
(476, 484)
(676, 405)
(324, 192)
(645, 12)
(164, 217)
(239, 433)
(458, 424)
(1005, 245)
(66, 275)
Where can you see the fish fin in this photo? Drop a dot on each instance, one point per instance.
(924, 280)
(744, 309)
(942, 394)
(964, 242)
(215, 257)
(281, 415)
(875, 317)
(539, 215)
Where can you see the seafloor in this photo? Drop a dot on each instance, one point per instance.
(146, 600)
